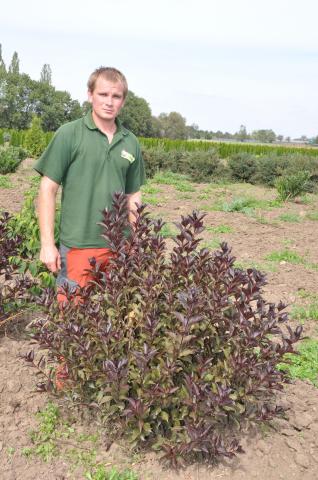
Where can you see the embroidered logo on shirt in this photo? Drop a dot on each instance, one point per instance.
(128, 156)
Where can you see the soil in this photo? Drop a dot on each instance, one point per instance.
(287, 449)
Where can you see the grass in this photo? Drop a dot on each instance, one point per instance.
(261, 266)
(313, 216)
(290, 256)
(169, 178)
(246, 205)
(177, 180)
(211, 244)
(168, 231)
(5, 182)
(308, 312)
(150, 189)
(100, 473)
(220, 229)
(150, 199)
(55, 437)
(290, 217)
(304, 365)
(285, 256)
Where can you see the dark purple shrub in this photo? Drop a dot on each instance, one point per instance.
(177, 348)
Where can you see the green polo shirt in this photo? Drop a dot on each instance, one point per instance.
(90, 170)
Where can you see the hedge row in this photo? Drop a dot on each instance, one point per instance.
(226, 149)
(207, 166)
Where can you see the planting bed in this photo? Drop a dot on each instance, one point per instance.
(286, 250)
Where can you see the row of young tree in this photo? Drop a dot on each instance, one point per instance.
(22, 97)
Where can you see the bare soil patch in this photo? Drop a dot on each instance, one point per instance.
(287, 449)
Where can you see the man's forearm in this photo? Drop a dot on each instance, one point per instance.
(46, 211)
(132, 200)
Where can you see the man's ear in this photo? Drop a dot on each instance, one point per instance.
(89, 96)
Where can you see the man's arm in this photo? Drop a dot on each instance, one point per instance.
(132, 199)
(49, 254)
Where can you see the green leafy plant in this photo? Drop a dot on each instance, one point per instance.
(174, 348)
(14, 287)
(304, 365)
(25, 225)
(290, 186)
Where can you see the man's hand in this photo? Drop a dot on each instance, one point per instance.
(49, 254)
(51, 257)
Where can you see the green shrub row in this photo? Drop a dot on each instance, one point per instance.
(226, 149)
(206, 166)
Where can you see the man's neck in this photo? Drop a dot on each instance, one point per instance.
(107, 127)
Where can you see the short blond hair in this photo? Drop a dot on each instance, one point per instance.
(108, 73)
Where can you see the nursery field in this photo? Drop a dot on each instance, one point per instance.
(278, 238)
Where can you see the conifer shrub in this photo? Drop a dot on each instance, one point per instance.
(35, 139)
(10, 158)
(175, 349)
(243, 166)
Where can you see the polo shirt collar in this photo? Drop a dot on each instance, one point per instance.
(89, 122)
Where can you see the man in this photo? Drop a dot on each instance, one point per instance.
(92, 158)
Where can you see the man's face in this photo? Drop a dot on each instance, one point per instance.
(107, 99)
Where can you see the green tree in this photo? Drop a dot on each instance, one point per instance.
(34, 140)
(46, 74)
(16, 103)
(136, 116)
(14, 67)
(3, 70)
(264, 136)
(173, 125)
(242, 134)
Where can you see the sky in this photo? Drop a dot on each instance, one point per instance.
(221, 64)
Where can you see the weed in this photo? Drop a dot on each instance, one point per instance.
(184, 196)
(150, 189)
(151, 199)
(5, 182)
(291, 186)
(313, 216)
(304, 365)
(309, 312)
(184, 187)
(290, 217)
(168, 231)
(262, 267)
(286, 256)
(220, 229)
(248, 205)
(214, 243)
(169, 178)
(100, 473)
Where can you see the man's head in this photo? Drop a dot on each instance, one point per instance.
(111, 75)
(107, 90)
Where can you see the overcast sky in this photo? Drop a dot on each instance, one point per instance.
(219, 63)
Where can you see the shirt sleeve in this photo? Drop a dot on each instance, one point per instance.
(56, 158)
(136, 173)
